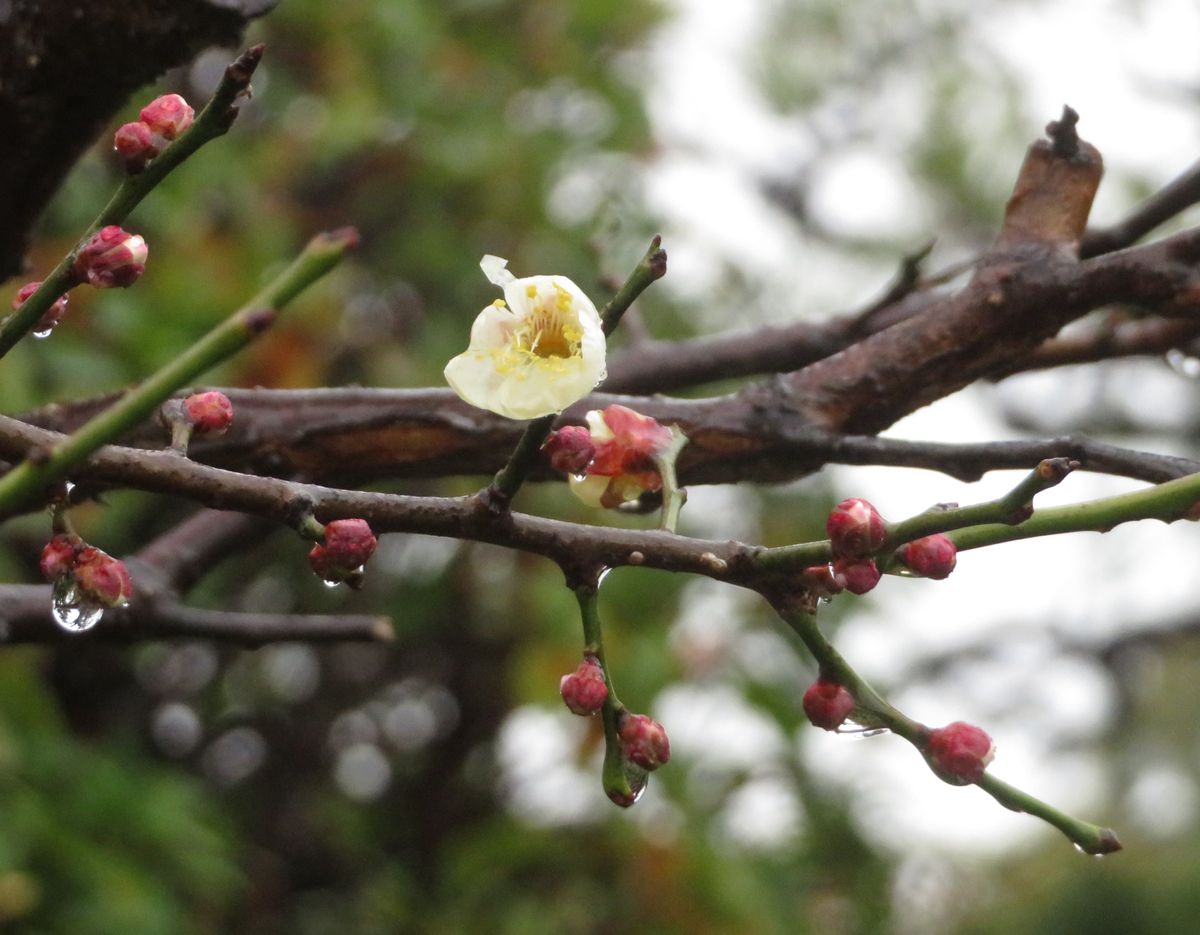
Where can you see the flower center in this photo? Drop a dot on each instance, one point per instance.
(551, 329)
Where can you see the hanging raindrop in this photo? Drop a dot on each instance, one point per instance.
(71, 610)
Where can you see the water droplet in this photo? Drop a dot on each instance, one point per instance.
(71, 610)
(858, 731)
(331, 582)
(42, 332)
(603, 574)
(1184, 364)
(639, 791)
(1085, 853)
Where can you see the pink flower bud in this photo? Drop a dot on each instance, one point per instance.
(113, 257)
(827, 704)
(58, 556)
(644, 741)
(931, 557)
(857, 577)
(584, 690)
(349, 542)
(570, 449)
(855, 529)
(627, 442)
(168, 115)
(102, 578)
(210, 413)
(959, 753)
(136, 144)
(821, 580)
(51, 317)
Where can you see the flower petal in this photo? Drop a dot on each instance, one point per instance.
(494, 269)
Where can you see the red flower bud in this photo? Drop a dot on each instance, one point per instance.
(959, 753)
(931, 557)
(168, 115)
(855, 529)
(857, 577)
(644, 741)
(102, 578)
(827, 704)
(58, 556)
(136, 144)
(821, 580)
(113, 257)
(51, 317)
(210, 413)
(350, 542)
(584, 690)
(570, 449)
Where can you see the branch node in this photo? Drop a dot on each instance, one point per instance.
(1062, 133)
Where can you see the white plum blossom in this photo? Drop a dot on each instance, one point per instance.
(535, 351)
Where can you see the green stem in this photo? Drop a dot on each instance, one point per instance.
(873, 710)
(613, 775)
(508, 480)
(30, 478)
(834, 667)
(674, 496)
(213, 121)
(1005, 511)
(1089, 838)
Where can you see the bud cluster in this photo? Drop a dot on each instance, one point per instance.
(99, 577)
(161, 121)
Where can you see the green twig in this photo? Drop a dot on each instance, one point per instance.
(213, 121)
(1006, 512)
(874, 711)
(508, 480)
(30, 478)
(1089, 838)
(615, 774)
(673, 496)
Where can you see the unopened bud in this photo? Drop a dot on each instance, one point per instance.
(113, 257)
(584, 691)
(210, 413)
(136, 144)
(644, 741)
(855, 529)
(168, 115)
(857, 577)
(102, 578)
(827, 704)
(931, 557)
(51, 317)
(58, 556)
(350, 541)
(821, 580)
(959, 753)
(570, 449)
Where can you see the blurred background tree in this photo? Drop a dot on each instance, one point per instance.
(435, 785)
